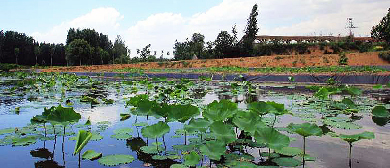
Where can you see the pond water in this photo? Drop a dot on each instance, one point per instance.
(23, 96)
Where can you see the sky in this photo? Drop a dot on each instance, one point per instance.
(161, 22)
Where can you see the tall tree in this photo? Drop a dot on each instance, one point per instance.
(120, 51)
(250, 31)
(382, 30)
(37, 51)
(78, 51)
(16, 52)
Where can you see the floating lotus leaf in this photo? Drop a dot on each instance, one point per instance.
(7, 131)
(189, 147)
(121, 136)
(213, 149)
(149, 149)
(287, 162)
(357, 137)
(155, 130)
(134, 101)
(289, 151)
(341, 124)
(306, 129)
(63, 115)
(272, 138)
(270, 155)
(349, 103)
(140, 124)
(91, 155)
(82, 139)
(354, 91)
(191, 159)
(178, 166)
(89, 99)
(248, 121)
(96, 136)
(174, 157)
(24, 141)
(182, 113)
(115, 160)
(260, 108)
(223, 132)
(380, 111)
(197, 125)
(159, 157)
(220, 111)
(123, 131)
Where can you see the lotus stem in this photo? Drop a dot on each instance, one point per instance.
(79, 160)
(304, 151)
(350, 154)
(157, 146)
(185, 137)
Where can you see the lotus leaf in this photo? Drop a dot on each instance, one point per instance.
(7, 131)
(323, 93)
(91, 155)
(114, 160)
(220, 111)
(213, 149)
(240, 164)
(178, 166)
(24, 141)
(289, 151)
(287, 162)
(192, 158)
(121, 136)
(140, 124)
(82, 139)
(380, 111)
(272, 138)
(306, 129)
(197, 125)
(64, 115)
(357, 137)
(349, 103)
(182, 113)
(223, 132)
(123, 131)
(159, 157)
(155, 130)
(248, 121)
(149, 149)
(260, 108)
(341, 124)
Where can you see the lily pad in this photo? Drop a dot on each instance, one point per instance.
(213, 149)
(114, 160)
(380, 111)
(123, 131)
(121, 136)
(159, 157)
(140, 124)
(192, 159)
(24, 141)
(149, 149)
(306, 129)
(7, 131)
(357, 137)
(91, 155)
(289, 151)
(178, 166)
(272, 138)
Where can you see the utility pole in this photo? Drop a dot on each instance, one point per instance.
(350, 26)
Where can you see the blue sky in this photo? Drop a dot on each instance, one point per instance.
(161, 22)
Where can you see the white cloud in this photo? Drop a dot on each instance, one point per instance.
(105, 20)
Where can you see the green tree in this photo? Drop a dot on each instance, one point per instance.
(16, 52)
(382, 30)
(37, 51)
(251, 30)
(186, 50)
(120, 51)
(224, 44)
(52, 50)
(78, 51)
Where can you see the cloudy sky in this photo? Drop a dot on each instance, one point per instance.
(161, 22)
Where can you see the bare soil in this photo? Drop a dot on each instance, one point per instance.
(317, 59)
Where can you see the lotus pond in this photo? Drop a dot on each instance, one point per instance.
(64, 120)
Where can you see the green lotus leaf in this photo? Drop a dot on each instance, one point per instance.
(289, 151)
(149, 149)
(124, 117)
(159, 157)
(91, 155)
(192, 159)
(220, 111)
(140, 124)
(174, 157)
(197, 125)
(121, 136)
(272, 138)
(82, 139)
(134, 101)
(278, 109)
(155, 130)
(349, 103)
(38, 119)
(260, 108)
(306, 129)
(341, 124)
(270, 155)
(213, 149)
(7, 131)
(115, 160)
(182, 113)
(287, 162)
(357, 137)
(178, 166)
(323, 93)
(240, 164)
(63, 115)
(123, 131)
(354, 91)
(24, 141)
(96, 136)
(380, 111)
(89, 99)
(248, 121)
(377, 87)
(88, 122)
(223, 132)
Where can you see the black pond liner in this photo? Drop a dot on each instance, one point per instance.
(345, 79)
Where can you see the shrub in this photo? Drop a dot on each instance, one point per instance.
(343, 60)
(7, 67)
(385, 55)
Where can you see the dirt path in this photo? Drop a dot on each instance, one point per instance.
(305, 60)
